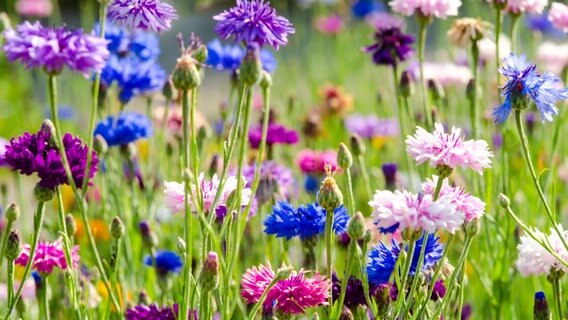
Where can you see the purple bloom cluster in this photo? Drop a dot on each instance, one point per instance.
(391, 47)
(142, 14)
(369, 126)
(33, 153)
(53, 49)
(254, 22)
(276, 134)
(154, 312)
(280, 178)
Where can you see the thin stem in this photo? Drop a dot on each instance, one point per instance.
(402, 122)
(515, 18)
(329, 251)
(365, 175)
(400, 301)
(557, 288)
(474, 112)
(184, 308)
(43, 299)
(416, 271)
(498, 26)
(361, 266)
(10, 268)
(5, 240)
(350, 195)
(260, 301)
(352, 250)
(423, 26)
(460, 294)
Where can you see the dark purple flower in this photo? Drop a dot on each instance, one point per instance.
(439, 291)
(52, 49)
(389, 171)
(154, 312)
(142, 14)
(33, 153)
(276, 134)
(354, 294)
(254, 21)
(392, 46)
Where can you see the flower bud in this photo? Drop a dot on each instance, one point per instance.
(181, 247)
(541, 311)
(200, 54)
(368, 236)
(187, 175)
(48, 127)
(43, 194)
(469, 91)
(436, 90)
(356, 226)
(267, 187)
(117, 228)
(381, 295)
(346, 314)
(210, 280)
(471, 228)
(144, 298)
(251, 67)
(3, 189)
(265, 80)
(443, 171)
(12, 212)
(357, 145)
(71, 225)
(283, 272)
(312, 125)
(168, 90)
(129, 151)
(214, 165)
(13, 246)
(186, 76)
(504, 201)
(329, 196)
(344, 158)
(389, 171)
(406, 84)
(100, 145)
(148, 237)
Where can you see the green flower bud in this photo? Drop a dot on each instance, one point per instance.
(283, 272)
(181, 247)
(251, 67)
(471, 228)
(368, 236)
(504, 201)
(329, 196)
(100, 145)
(406, 84)
(382, 299)
(117, 228)
(210, 280)
(357, 145)
(48, 127)
(444, 171)
(168, 90)
(200, 54)
(129, 151)
(71, 225)
(436, 90)
(265, 80)
(12, 212)
(42, 193)
(3, 189)
(186, 75)
(344, 158)
(13, 246)
(356, 227)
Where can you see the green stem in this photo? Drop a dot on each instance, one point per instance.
(515, 18)
(350, 195)
(329, 251)
(10, 267)
(498, 26)
(460, 294)
(418, 269)
(526, 152)
(38, 222)
(400, 301)
(184, 306)
(474, 112)
(43, 299)
(402, 122)
(260, 301)
(557, 288)
(365, 175)
(362, 268)
(423, 27)
(5, 240)
(352, 251)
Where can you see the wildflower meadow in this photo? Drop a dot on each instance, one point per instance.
(291, 159)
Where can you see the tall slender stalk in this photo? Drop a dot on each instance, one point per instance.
(44, 299)
(498, 26)
(474, 111)
(329, 251)
(10, 280)
(557, 288)
(423, 28)
(351, 252)
(5, 240)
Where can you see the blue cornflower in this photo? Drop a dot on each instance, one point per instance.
(541, 23)
(166, 262)
(361, 8)
(525, 84)
(306, 221)
(124, 129)
(122, 42)
(145, 45)
(382, 260)
(229, 57)
(311, 184)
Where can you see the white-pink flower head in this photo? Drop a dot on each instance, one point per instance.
(558, 15)
(471, 206)
(534, 259)
(526, 6)
(430, 8)
(443, 149)
(414, 211)
(34, 8)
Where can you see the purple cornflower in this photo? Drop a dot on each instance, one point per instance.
(276, 134)
(154, 312)
(254, 21)
(525, 84)
(370, 126)
(53, 49)
(275, 181)
(3, 143)
(354, 294)
(142, 14)
(33, 153)
(391, 46)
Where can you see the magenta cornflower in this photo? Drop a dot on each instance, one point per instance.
(53, 49)
(276, 134)
(33, 153)
(430, 8)
(254, 22)
(155, 312)
(558, 15)
(471, 206)
(254, 281)
(415, 212)
(48, 255)
(3, 144)
(151, 15)
(451, 150)
(312, 161)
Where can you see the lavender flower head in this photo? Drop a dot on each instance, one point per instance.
(275, 179)
(33, 153)
(276, 134)
(524, 84)
(391, 46)
(142, 14)
(254, 21)
(370, 126)
(53, 49)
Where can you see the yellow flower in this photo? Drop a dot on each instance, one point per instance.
(103, 292)
(379, 141)
(99, 228)
(142, 146)
(68, 198)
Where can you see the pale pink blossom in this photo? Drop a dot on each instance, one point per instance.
(558, 15)
(384, 21)
(447, 74)
(332, 24)
(28, 292)
(526, 6)
(48, 256)
(430, 8)
(414, 212)
(553, 57)
(34, 8)
(471, 206)
(534, 259)
(487, 48)
(443, 149)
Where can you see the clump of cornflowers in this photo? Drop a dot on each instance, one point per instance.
(276, 181)
(48, 256)
(448, 150)
(414, 212)
(534, 259)
(175, 199)
(552, 56)
(382, 259)
(289, 296)
(276, 134)
(34, 8)
(153, 15)
(428, 8)
(391, 46)
(466, 31)
(371, 126)
(525, 84)
(155, 312)
(558, 15)
(228, 57)
(471, 206)
(305, 222)
(253, 22)
(53, 49)
(125, 128)
(335, 101)
(165, 262)
(35, 153)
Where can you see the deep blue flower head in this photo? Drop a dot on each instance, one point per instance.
(124, 129)
(311, 184)
(37, 278)
(541, 23)
(361, 8)
(166, 262)
(229, 57)
(145, 45)
(382, 259)
(122, 42)
(117, 37)
(305, 222)
(525, 84)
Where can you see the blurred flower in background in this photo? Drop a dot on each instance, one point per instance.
(34, 8)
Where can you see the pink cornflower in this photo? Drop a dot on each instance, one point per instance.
(332, 24)
(533, 259)
(254, 282)
(446, 73)
(430, 8)
(471, 206)
(34, 8)
(48, 256)
(558, 15)
(552, 57)
(312, 161)
(526, 6)
(175, 197)
(443, 149)
(414, 212)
